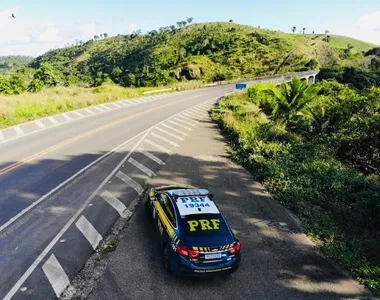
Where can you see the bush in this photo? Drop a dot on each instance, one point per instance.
(5, 86)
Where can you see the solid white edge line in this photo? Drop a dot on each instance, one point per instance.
(89, 232)
(151, 156)
(157, 146)
(132, 183)
(56, 275)
(174, 129)
(43, 254)
(63, 183)
(115, 203)
(180, 125)
(40, 124)
(18, 130)
(169, 133)
(32, 267)
(54, 121)
(141, 167)
(164, 139)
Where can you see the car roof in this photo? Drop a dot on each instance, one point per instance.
(193, 202)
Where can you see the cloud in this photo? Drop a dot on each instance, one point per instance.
(88, 31)
(50, 34)
(12, 31)
(132, 27)
(369, 22)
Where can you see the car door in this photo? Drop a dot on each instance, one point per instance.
(167, 219)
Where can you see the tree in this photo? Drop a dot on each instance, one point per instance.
(231, 21)
(294, 29)
(44, 76)
(327, 32)
(327, 39)
(172, 28)
(105, 35)
(179, 24)
(96, 37)
(101, 35)
(313, 32)
(190, 20)
(292, 99)
(303, 30)
(5, 86)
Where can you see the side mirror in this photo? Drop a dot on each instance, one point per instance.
(152, 195)
(211, 196)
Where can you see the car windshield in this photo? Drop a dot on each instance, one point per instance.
(204, 225)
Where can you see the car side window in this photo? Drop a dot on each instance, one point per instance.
(168, 208)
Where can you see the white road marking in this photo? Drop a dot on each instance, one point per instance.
(54, 121)
(18, 130)
(128, 180)
(56, 275)
(115, 203)
(121, 103)
(89, 232)
(157, 146)
(198, 110)
(78, 114)
(98, 108)
(40, 124)
(126, 103)
(141, 167)
(45, 252)
(21, 213)
(1, 136)
(90, 111)
(164, 139)
(186, 120)
(67, 117)
(183, 121)
(174, 129)
(105, 107)
(191, 115)
(133, 101)
(116, 104)
(180, 125)
(169, 133)
(151, 156)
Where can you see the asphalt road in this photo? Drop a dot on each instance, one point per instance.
(42, 231)
(278, 261)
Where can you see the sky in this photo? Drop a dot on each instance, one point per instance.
(44, 25)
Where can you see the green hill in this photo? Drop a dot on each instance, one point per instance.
(9, 64)
(208, 51)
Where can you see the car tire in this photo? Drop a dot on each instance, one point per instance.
(166, 259)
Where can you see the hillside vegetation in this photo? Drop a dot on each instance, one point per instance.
(316, 149)
(209, 52)
(10, 64)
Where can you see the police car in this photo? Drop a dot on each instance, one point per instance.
(195, 238)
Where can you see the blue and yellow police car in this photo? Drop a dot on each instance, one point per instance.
(195, 238)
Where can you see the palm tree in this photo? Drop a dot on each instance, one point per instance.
(303, 30)
(292, 100)
(294, 29)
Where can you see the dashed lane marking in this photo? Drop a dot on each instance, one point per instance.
(89, 111)
(183, 121)
(89, 231)
(18, 130)
(174, 129)
(180, 125)
(151, 156)
(78, 114)
(169, 133)
(67, 117)
(141, 167)
(56, 275)
(157, 146)
(40, 124)
(54, 121)
(164, 139)
(128, 180)
(115, 203)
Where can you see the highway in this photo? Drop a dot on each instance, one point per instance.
(47, 177)
(66, 180)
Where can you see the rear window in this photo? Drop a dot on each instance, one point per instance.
(204, 225)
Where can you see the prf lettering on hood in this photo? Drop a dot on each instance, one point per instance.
(212, 224)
